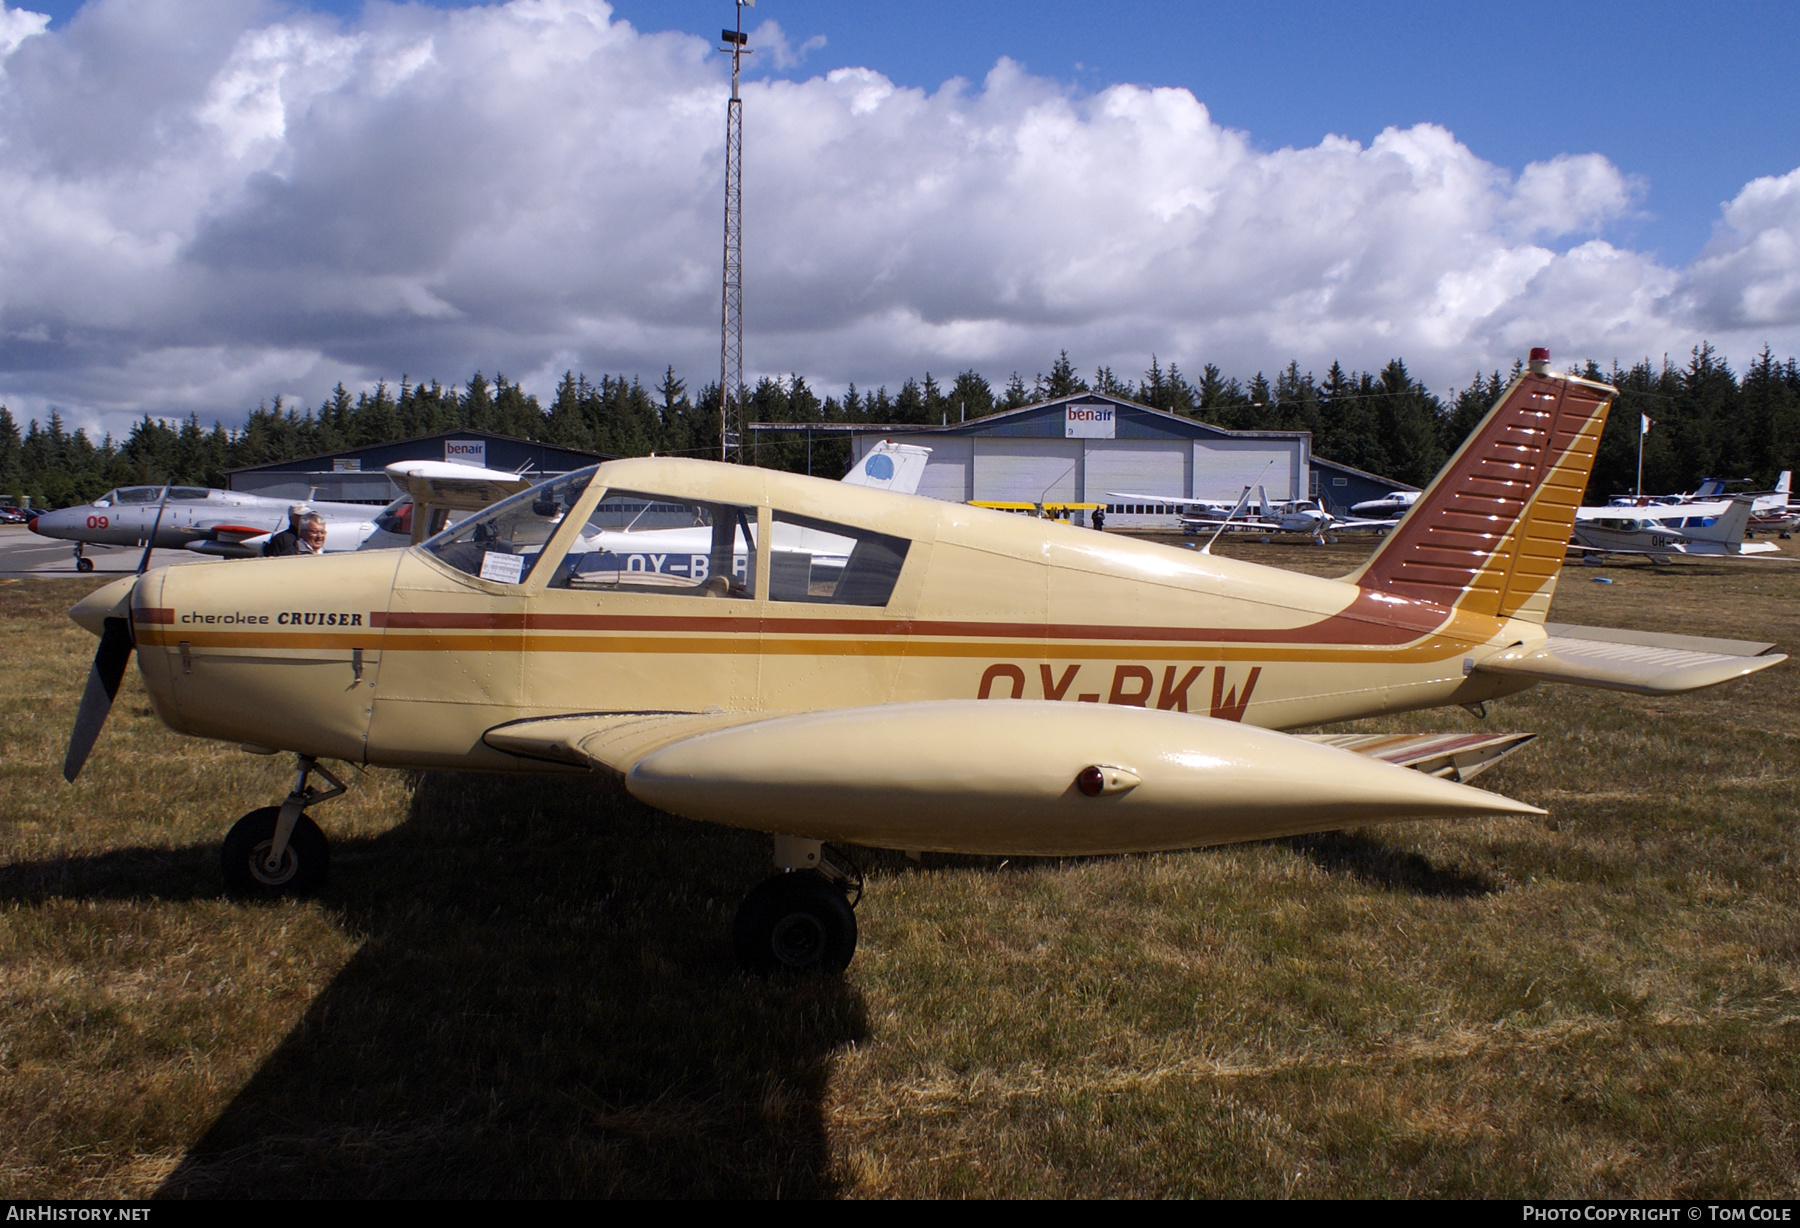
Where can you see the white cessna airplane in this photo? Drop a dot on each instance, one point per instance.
(1663, 530)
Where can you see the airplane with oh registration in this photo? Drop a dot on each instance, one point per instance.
(1662, 530)
(893, 671)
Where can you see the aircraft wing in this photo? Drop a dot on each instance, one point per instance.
(1018, 776)
(1172, 500)
(1650, 663)
(466, 488)
(1267, 526)
(613, 741)
(232, 534)
(1681, 547)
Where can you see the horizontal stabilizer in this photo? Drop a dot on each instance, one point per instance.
(1649, 663)
(1450, 756)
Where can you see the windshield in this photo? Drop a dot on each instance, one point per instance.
(503, 543)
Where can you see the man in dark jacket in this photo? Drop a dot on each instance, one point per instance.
(305, 534)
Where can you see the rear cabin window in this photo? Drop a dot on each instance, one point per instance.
(641, 542)
(832, 564)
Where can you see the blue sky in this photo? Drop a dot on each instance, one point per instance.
(211, 202)
(1693, 100)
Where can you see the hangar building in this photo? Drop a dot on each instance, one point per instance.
(356, 475)
(1090, 448)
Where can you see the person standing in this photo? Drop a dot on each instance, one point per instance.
(305, 534)
(1098, 519)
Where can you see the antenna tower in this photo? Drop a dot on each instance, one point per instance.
(731, 312)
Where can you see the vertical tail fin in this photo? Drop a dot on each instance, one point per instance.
(1730, 525)
(1490, 532)
(891, 466)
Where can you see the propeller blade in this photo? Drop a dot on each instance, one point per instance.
(103, 681)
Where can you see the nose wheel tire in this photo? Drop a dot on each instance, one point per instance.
(798, 922)
(304, 864)
(84, 564)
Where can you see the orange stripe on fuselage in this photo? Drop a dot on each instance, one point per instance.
(1329, 640)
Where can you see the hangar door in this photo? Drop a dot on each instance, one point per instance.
(1027, 470)
(947, 470)
(1222, 468)
(1137, 467)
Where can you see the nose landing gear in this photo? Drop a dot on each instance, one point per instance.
(82, 561)
(279, 850)
(803, 919)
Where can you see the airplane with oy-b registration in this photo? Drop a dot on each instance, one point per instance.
(894, 671)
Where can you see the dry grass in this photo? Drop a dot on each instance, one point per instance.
(522, 987)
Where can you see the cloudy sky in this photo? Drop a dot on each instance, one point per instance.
(204, 203)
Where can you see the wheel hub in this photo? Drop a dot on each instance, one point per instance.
(798, 940)
(259, 865)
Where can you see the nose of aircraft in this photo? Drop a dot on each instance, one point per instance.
(108, 601)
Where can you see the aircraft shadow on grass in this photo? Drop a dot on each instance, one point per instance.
(544, 1005)
(1360, 856)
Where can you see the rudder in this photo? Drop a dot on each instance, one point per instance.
(1490, 533)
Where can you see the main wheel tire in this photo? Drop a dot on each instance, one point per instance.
(303, 866)
(84, 564)
(798, 922)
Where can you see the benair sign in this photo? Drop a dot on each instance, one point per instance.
(467, 451)
(1087, 422)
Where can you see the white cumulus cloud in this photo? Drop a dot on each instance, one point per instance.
(208, 202)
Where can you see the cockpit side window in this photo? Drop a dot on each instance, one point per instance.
(637, 541)
(504, 543)
(832, 564)
(137, 494)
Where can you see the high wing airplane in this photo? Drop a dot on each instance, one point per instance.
(434, 490)
(962, 681)
(1715, 529)
(1770, 510)
(197, 518)
(1392, 505)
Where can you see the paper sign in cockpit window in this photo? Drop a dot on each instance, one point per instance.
(502, 568)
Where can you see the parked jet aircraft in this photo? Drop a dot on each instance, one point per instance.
(965, 681)
(224, 522)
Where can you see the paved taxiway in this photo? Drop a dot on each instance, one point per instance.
(23, 553)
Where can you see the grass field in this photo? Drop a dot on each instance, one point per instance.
(523, 987)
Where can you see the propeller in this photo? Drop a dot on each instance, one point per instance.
(104, 676)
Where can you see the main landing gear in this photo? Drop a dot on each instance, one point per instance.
(82, 561)
(803, 919)
(279, 850)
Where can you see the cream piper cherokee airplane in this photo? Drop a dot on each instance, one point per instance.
(889, 670)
